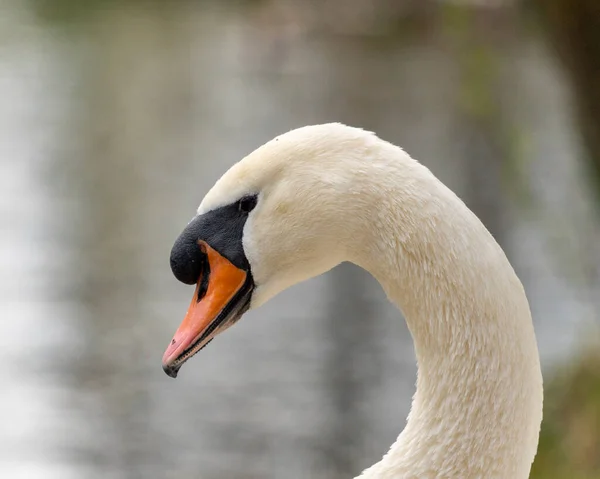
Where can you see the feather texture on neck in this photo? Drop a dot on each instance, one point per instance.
(478, 405)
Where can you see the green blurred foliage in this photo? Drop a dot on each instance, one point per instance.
(570, 437)
(69, 11)
(72, 12)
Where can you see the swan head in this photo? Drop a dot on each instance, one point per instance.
(283, 214)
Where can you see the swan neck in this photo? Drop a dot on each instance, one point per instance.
(478, 404)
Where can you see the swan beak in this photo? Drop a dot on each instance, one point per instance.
(221, 297)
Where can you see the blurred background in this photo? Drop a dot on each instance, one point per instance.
(117, 116)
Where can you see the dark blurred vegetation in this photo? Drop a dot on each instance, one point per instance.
(475, 36)
(570, 438)
(573, 28)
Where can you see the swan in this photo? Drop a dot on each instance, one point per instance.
(320, 195)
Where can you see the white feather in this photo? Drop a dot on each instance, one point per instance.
(332, 193)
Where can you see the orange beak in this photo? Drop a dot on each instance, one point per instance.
(221, 297)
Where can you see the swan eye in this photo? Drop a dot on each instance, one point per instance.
(247, 204)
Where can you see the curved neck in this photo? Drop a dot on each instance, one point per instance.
(478, 404)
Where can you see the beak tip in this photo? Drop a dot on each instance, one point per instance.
(170, 370)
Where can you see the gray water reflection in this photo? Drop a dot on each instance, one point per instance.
(110, 133)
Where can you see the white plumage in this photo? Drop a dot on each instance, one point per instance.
(332, 193)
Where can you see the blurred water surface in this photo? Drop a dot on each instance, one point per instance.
(114, 124)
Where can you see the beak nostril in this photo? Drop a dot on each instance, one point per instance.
(172, 341)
